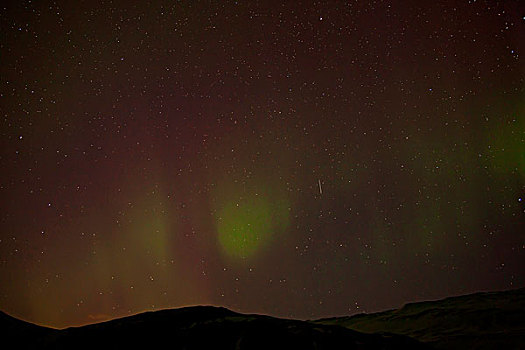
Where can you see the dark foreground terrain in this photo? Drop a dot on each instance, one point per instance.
(201, 327)
(477, 321)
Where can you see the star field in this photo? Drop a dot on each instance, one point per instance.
(292, 158)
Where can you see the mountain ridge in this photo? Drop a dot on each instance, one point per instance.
(483, 320)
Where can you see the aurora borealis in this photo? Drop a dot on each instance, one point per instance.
(292, 158)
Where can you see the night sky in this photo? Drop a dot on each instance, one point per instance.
(292, 158)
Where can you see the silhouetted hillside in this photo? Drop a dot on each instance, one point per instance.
(23, 334)
(204, 327)
(476, 321)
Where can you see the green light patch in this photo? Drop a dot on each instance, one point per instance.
(245, 227)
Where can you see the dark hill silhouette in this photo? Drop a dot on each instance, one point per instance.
(494, 320)
(200, 327)
(477, 321)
